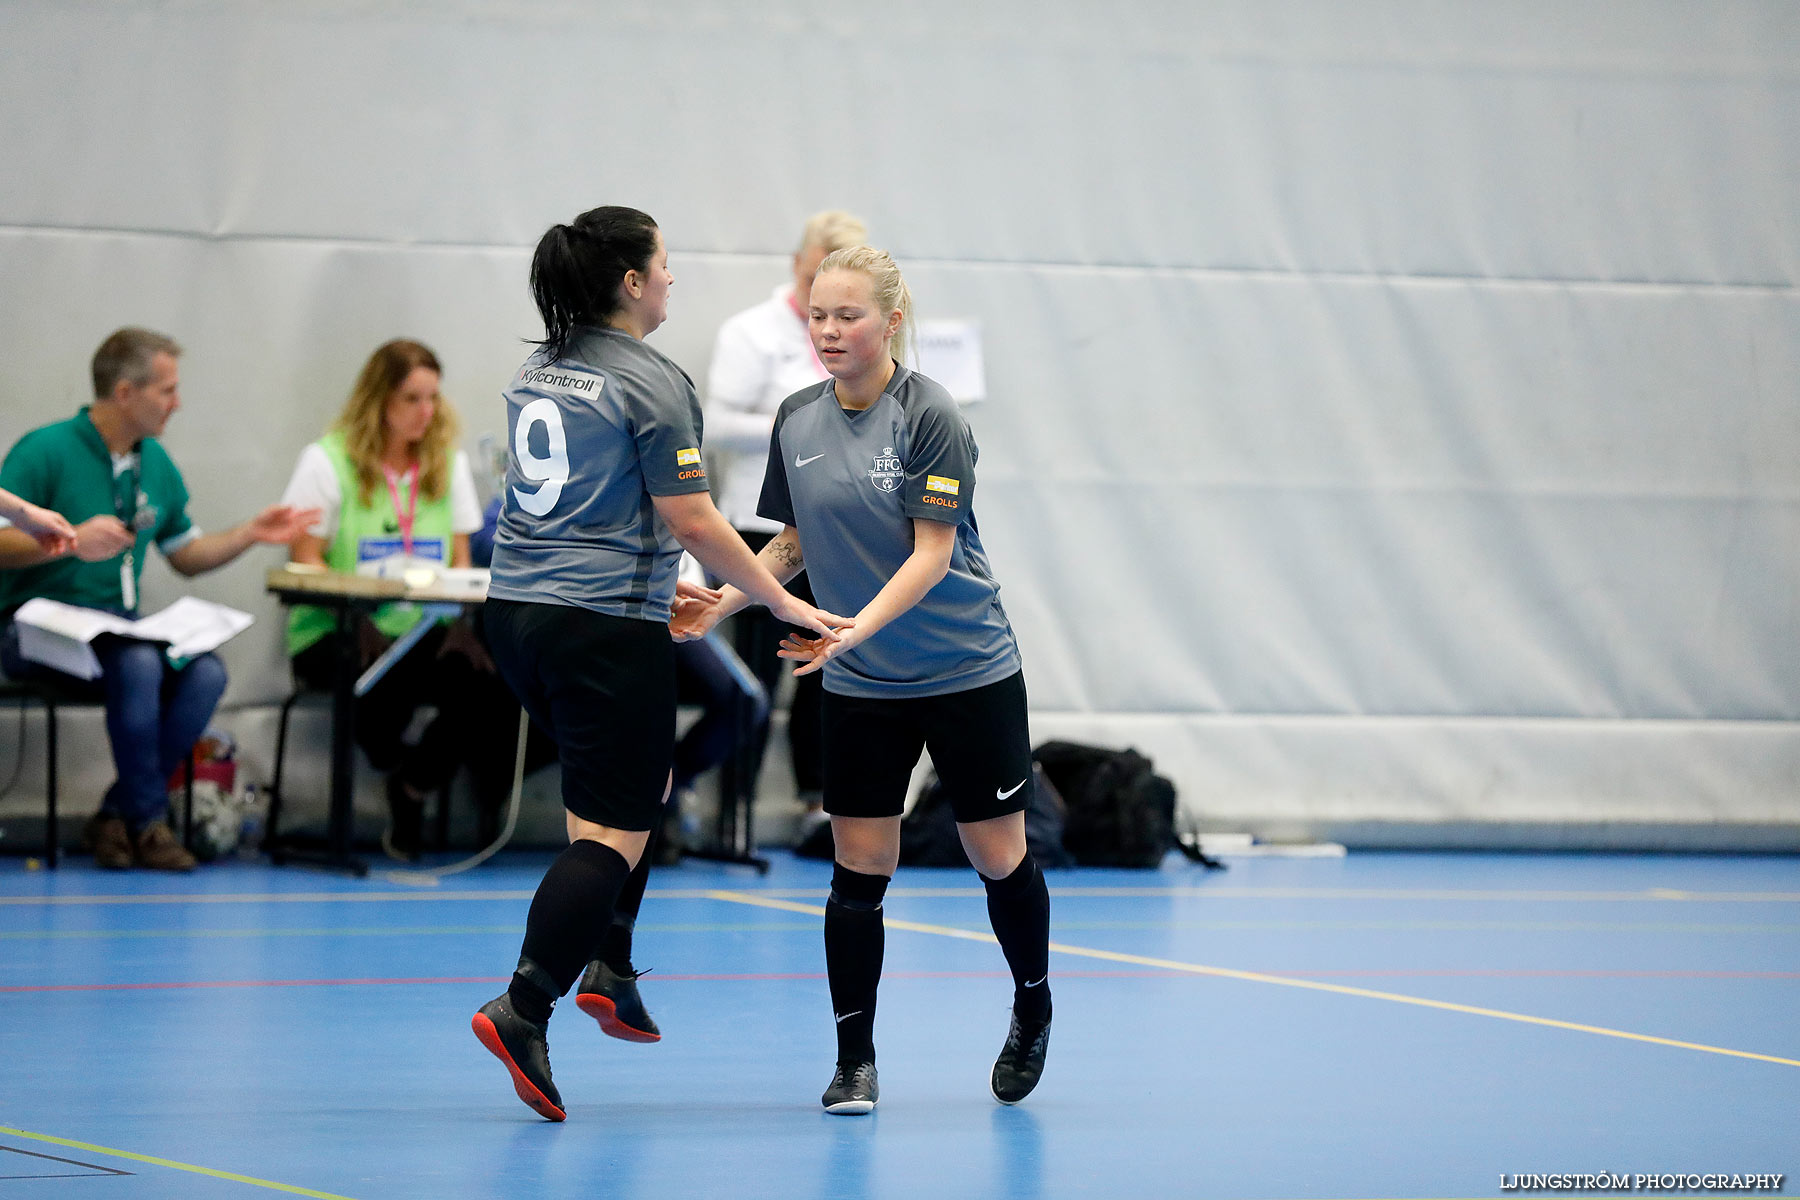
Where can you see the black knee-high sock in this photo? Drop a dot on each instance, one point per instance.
(1019, 909)
(572, 908)
(615, 943)
(854, 940)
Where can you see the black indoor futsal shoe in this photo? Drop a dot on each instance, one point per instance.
(1021, 1061)
(853, 1090)
(612, 999)
(525, 1049)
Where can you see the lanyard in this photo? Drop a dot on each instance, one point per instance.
(810, 348)
(412, 502)
(125, 507)
(125, 501)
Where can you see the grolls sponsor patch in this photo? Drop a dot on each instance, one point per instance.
(938, 483)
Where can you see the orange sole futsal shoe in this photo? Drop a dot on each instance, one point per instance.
(612, 999)
(525, 1049)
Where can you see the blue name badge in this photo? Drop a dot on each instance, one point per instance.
(376, 549)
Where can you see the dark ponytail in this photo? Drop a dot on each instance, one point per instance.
(577, 268)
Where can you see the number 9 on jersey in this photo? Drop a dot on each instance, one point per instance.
(550, 471)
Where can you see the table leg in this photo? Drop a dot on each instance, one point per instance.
(343, 748)
(341, 828)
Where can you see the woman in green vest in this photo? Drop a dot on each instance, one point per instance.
(389, 479)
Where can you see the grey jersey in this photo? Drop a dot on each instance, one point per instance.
(851, 483)
(591, 438)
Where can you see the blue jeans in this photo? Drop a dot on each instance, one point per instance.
(709, 673)
(154, 714)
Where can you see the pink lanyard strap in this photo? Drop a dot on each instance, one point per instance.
(412, 502)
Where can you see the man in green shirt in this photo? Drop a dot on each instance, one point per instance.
(105, 471)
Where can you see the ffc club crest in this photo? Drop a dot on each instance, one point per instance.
(887, 472)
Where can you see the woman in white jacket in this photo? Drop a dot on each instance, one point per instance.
(762, 356)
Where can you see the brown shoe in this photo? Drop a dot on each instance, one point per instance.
(105, 835)
(158, 849)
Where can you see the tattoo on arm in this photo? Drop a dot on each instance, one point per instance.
(786, 552)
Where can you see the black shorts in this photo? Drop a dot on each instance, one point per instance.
(603, 687)
(980, 744)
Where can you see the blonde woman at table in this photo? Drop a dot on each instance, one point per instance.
(388, 479)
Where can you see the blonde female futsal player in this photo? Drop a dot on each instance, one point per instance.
(872, 476)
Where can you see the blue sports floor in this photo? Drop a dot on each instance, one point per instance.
(1383, 1025)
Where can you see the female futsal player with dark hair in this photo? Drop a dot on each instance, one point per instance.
(604, 487)
(873, 471)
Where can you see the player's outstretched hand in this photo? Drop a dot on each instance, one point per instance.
(684, 590)
(813, 653)
(798, 612)
(694, 612)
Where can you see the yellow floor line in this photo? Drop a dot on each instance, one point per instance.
(1141, 960)
(90, 1148)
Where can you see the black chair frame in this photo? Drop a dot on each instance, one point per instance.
(51, 697)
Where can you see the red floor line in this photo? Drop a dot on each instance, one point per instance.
(242, 983)
(769, 976)
(654, 977)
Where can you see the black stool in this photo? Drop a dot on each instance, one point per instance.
(51, 696)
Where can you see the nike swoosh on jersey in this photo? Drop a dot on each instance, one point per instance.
(1000, 795)
(1039, 982)
(847, 1016)
(801, 462)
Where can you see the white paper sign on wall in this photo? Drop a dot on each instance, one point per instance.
(950, 352)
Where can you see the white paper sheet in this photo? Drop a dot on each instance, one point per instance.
(192, 626)
(58, 635)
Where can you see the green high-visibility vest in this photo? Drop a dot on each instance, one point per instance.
(366, 532)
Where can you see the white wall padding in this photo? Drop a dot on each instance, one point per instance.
(1392, 409)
